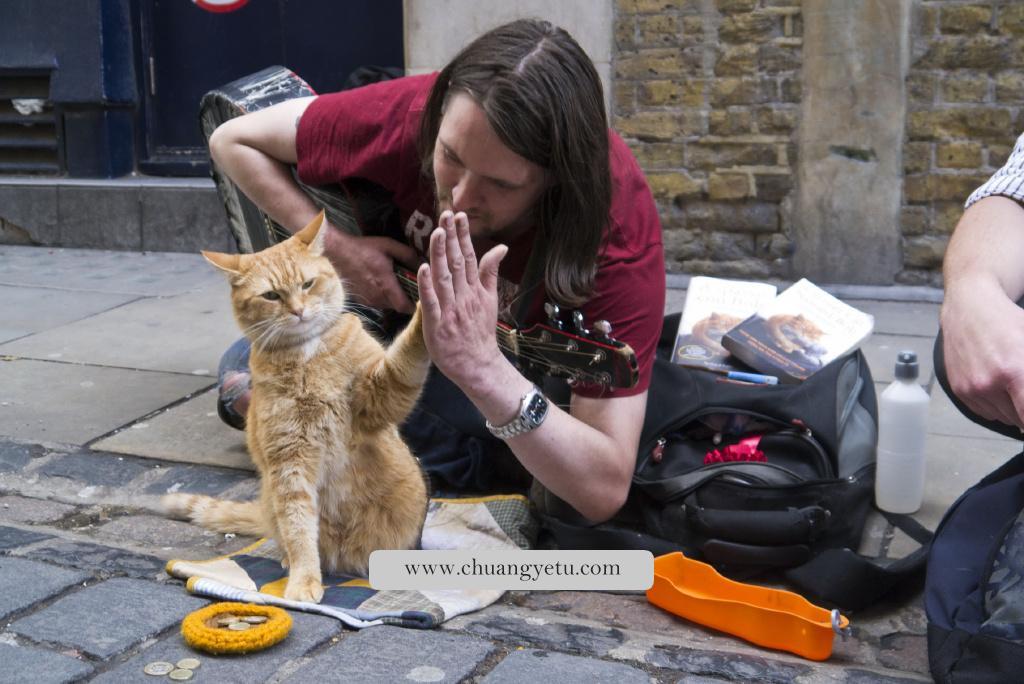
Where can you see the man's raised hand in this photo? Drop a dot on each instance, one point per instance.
(459, 299)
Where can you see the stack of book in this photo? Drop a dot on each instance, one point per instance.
(788, 336)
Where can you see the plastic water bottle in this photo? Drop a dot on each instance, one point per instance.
(902, 427)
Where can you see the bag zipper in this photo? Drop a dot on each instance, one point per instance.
(796, 428)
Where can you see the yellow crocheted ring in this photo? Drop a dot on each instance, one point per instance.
(201, 631)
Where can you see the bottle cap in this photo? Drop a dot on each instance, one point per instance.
(906, 365)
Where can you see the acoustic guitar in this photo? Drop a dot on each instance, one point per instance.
(562, 347)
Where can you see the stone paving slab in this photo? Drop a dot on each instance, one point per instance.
(626, 627)
(308, 632)
(919, 319)
(60, 402)
(728, 666)
(397, 654)
(32, 209)
(183, 334)
(106, 217)
(26, 510)
(30, 664)
(154, 531)
(674, 300)
(12, 537)
(874, 533)
(27, 310)
(664, 641)
(141, 274)
(193, 480)
(954, 464)
(535, 666)
(165, 209)
(108, 618)
(514, 629)
(167, 539)
(614, 611)
(24, 583)
(96, 469)
(636, 620)
(190, 432)
(105, 560)
(868, 677)
(14, 456)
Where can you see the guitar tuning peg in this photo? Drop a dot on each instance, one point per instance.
(554, 313)
(603, 328)
(577, 322)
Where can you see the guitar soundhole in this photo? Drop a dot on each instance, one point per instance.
(599, 357)
(605, 379)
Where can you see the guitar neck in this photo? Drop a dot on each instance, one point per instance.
(407, 279)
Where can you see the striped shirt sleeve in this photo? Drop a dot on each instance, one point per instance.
(1007, 181)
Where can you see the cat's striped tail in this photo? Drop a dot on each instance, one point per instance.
(242, 517)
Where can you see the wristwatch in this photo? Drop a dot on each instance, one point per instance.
(533, 409)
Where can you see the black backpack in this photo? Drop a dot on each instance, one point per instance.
(974, 593)
(800, 510)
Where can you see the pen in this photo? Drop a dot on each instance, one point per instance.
(753, 377)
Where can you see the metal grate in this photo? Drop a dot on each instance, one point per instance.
(28, 141)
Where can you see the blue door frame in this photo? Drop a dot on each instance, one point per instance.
(184, 51)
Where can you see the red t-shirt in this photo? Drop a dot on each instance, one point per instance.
(371, 133)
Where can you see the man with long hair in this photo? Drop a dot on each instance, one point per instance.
(510, 187)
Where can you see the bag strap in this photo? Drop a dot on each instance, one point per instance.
(607, 536)
(842, 577)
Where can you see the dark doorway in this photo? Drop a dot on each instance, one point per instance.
(186, 51)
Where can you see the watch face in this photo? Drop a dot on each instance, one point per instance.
(536, 409)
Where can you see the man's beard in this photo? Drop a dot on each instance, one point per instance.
(479, 224)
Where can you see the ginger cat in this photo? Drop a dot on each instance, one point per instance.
(336, 480)
(794, 333)
(709, 331)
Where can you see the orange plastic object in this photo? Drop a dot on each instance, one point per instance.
(767, 617)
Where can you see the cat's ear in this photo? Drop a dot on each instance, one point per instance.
(314, 234)
(229, 263)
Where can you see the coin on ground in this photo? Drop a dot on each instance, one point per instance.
(254, 619)
(158, 668)
(188, 664)
(239, 626)
(180, 675)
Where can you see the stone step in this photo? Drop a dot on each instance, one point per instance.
(136, 213)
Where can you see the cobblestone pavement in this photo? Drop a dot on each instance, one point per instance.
(106, 362)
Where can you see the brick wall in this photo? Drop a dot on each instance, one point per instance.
(965, 108)
(707, 94)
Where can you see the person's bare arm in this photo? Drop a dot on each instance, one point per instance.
(585, 456)
(256, 151)
(982, 326)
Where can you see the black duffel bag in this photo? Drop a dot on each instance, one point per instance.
(795, 501)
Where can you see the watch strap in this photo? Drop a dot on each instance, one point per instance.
(533, 409)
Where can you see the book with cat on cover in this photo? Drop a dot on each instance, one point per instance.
(713, 306)
(798, 332)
